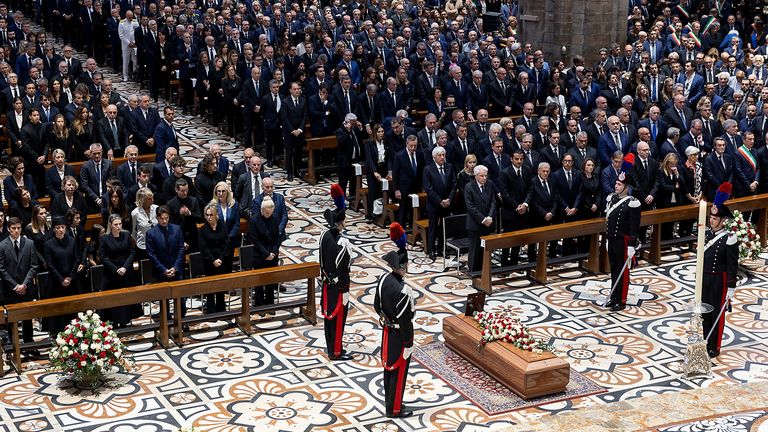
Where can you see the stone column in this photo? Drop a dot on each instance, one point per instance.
(582, 26)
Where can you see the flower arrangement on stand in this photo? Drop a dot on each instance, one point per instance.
(87, 350)
(749, 240)
(504, 326)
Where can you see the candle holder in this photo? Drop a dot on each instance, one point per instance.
(696, 360)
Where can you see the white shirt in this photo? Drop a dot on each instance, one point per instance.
(142, 223)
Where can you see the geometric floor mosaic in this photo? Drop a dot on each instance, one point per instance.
(278, 379)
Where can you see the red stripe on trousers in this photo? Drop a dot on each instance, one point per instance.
(721, 323)
(625, 274)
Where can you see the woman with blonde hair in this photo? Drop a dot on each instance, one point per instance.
(214, 248)
(228, 211)
(143, 218)
(465, 176)
(672, 190)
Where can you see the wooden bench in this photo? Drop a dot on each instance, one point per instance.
(361, 193)
(243, 280)
(420, 225)
(541, 236)
(313, 145)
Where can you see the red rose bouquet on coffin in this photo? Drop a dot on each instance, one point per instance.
(749, 241)
(504, 326)
(87, 350)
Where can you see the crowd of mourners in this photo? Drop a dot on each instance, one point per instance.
(425, 96)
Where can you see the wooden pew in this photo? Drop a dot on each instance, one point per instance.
(243, 281)
(420, 225)
(166, 290)
(313, 145)
(540, 235)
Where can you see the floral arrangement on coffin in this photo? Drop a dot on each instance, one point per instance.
(87, 350)
(503, 326)
(749, 240)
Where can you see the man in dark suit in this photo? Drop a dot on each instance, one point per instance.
(250, 99)
(128, 172)
(248, 186)
(480, 199)
(567, 182)
(543, 201)
(165, 135)
(477, 94)
(583, 97)
(554, 152)
(502, 94)
(655, 124)
(611, 141)
(391, 99)
(165, 249)
(273, 134)
(163, 169)
(344, 98)
(143, 180)
(34, 148)
(349, 151)
(679, 115)
(186, 213)
(407, 176)
(461, 147)
(368, 112)
(93, 178)
(645, 171)
(581, 152)
(531, 157)
(746, 169)
(18, 267)
(281, 210)
(515, 183)
(294, 117)
(48, 112)
(145, 121)
(497, 161)
(440, 186)
(112, 133)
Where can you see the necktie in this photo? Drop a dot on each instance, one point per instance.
(682, 119)
(583, 154)
(503, 86)
(69, 65)
(616, 92)
(356, 146)
(431, 83)
(370, 103)
(653, 89)
(530, 159)
(519, 174)
(464, 146)
(645, 165)
(722, 162)
(482, 189)
(529, 123)
(749, 124)
(546, 186)
(394, 99)
(431, 139)
(98, 176)
(15, 92)
(556, 152)
(617, 141)
(295, 102)
(442, 173)
(16, 247)
(624, 129)
(47, 114)
(653, 130)
(413, 162)
(568, 178)
(114, 132)
(346, 98)
(498, 161)
(133, 170)
(458, 86)
(210, 54)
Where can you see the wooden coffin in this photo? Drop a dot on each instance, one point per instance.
(525, 373)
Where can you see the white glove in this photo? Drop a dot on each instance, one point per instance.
(345, 298)
(630, 252)
(407, 352)
(343, 242)
(606, 246)
(731, 292)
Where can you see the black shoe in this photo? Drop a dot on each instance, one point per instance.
(342, 357)
(618, 307)
(713, 353)
(33, 353)
(433, 256)
(283, 289)
(290, 177)
(402, 414)
(610, 304)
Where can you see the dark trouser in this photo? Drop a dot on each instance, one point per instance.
(294, 148)
(273, 143)
(374, 186)
(253, 123)
(714, 292)
(405, 213)
(215, 302)
(617, 256)
(335, 314)
(475, 259)
(394, 380)
(347, 177)
(569, 243)
(435, 232)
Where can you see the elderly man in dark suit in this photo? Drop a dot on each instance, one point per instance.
(407, 176)
(349, 151)
(294, 117)
(567, 182)
(250, 98)
(93, 178)
(281, 210)
(543, 199)
(439, 181)
(718, 168)
(18, 267)
(480, 199)
(145, 121)
(581, 151)
(112, 132)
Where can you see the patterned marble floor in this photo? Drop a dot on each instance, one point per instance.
(279, 380)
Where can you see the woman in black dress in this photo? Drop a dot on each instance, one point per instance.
(69, 197)
(265, 235)
(116, 205)
(591, 197)
(22, 206)
(116, 253)
(214, 246)
(64, 264)
(671, 192)
(39, 231)
(230, 89)
(84, 135)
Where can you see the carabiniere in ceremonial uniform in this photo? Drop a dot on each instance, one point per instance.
(622, 223)
(721, 260)
(395, 302)
(335, 264)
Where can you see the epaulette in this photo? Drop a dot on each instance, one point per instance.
(732, 239)
(634, 202)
